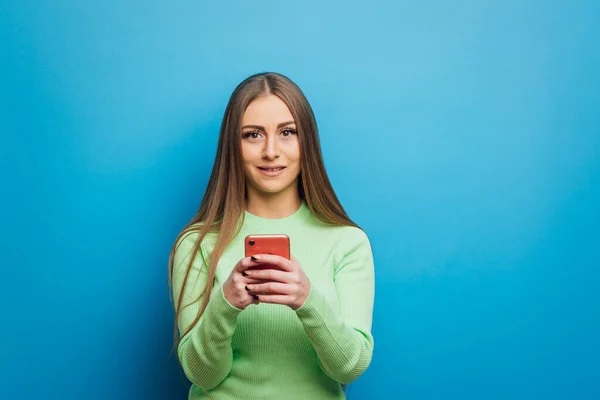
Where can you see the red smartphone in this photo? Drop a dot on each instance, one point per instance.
(277, 244)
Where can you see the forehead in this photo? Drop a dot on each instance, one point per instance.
(267, 110)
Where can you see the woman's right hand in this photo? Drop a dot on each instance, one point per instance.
(234, 288)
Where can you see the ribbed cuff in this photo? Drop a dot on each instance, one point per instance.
(315, 310)
(223, 306)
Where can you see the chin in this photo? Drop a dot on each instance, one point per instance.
(271, 189)
(274, 188)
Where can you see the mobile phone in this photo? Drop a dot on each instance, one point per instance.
(277, 244)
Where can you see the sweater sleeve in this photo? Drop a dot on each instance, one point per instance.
(205, 352)
(342, 337)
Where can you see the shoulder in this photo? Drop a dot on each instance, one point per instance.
(190, 235)
(353, 250)
(183, 251)
(355, 237)
(347, 238)
(347, 232)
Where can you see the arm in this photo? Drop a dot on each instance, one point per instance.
(342, 338)
(205, 352)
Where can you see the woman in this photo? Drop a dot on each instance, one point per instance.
(301, 328)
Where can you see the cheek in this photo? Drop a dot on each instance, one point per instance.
(248, 154)
(296, 165)
(296, 162)
(294, 152)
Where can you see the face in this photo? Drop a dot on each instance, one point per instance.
(270, 147)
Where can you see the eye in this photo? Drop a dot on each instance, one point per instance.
(252, 135)
(288, 132)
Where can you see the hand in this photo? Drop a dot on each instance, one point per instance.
(287, 283)
(234, 288)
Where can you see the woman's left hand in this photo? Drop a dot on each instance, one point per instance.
(287, 283)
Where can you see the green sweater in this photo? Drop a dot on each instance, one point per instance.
(269, 351)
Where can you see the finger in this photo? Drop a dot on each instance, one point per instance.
(249, 281)
(273, 259)
(269, 275)
(275, 299)
(244, 264)
(239, 282)
(269, 288)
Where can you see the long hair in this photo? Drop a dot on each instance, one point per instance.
(224, 202)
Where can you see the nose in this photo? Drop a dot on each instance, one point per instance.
(271, 150)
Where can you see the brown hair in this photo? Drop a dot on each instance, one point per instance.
(224, 202)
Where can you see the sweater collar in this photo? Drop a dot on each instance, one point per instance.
(298, 217)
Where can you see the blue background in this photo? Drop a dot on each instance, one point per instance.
(463, 136)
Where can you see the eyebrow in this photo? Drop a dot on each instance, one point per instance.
(262, 128)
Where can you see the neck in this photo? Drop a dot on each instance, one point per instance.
(278, 205)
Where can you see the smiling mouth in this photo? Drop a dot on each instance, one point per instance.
(271, 169)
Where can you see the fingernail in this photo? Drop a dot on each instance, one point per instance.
(246, 287)
(255, 297)
(255, 258)
(244, 273)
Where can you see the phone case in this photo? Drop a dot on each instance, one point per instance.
(277, 244)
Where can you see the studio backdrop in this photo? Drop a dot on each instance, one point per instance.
(462, 136)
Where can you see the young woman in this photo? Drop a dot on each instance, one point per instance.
(301, 328)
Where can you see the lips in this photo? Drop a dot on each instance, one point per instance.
(271, 169)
